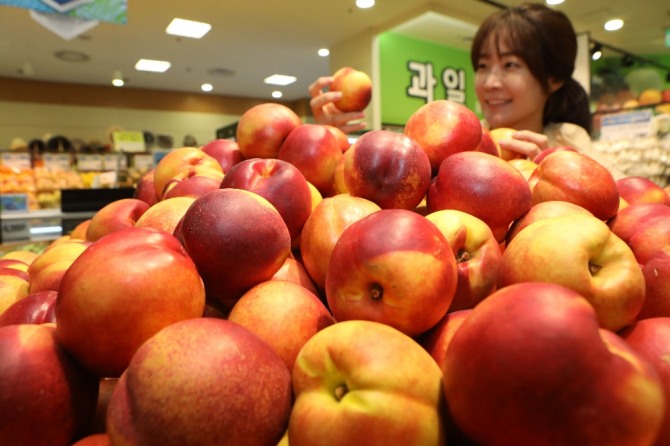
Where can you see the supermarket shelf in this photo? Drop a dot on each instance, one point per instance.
(76, 206)
(39, 225)
(44, 214)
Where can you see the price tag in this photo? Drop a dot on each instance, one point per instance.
(89, 162)
(627, 125)
(57, 161)
(114, 161)
(18, 160)
(127, 141)
(15, 230)
(105, 180)
(143, 162)
(13, 203)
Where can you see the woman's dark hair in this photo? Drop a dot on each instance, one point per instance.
(546, 41)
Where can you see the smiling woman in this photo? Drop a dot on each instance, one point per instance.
(524, 59)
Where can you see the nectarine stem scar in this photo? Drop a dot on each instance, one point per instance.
(593, 269)
(340, 391)
(376, 291)
(462, 256)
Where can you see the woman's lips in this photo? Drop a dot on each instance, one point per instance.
(496, 102)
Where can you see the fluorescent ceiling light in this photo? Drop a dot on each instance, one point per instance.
(280, 79)
(363, 4)
(188, 28)
(156, 66)
(614, 24)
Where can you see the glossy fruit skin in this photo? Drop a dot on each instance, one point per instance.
(105, 309)
(380, 267)
(482, 185)
(237, 239)
(46, 397)
(356, 89)
(192, 381)
(387, 168)
(538, 347)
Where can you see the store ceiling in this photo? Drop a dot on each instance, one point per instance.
(253, 39)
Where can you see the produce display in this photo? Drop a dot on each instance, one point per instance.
(15, 180)
(411, 288)
(639, 157)
(41, 185)
(646, 98)
(43, 182)
(23, 181)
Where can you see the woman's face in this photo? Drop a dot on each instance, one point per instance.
(510, 96)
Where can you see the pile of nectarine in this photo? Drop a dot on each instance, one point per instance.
(412, 288)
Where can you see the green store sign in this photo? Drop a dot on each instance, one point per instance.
(414, 72)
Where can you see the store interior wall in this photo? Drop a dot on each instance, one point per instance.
(31, 109)
(91, 124)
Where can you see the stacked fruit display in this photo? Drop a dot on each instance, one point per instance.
(408, 289)
(41, 185)
(19, 181)
(50, 181)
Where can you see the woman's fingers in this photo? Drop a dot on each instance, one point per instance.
(538, 139)
(525, 148)
(325, 112)
(316, 88)
(527, 143)
(324, 99)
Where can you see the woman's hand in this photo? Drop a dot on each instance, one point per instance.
(325, 111)
(526, 143)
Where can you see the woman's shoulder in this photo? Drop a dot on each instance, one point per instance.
(575, 136)
(568, 134)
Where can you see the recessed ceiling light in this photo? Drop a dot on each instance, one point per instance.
(188, 28)
(117, 79)
(156, 66)
(554, 2)
(613, 25)
(364, 4)
(277, 94)
(324, 52)
(207, 87)
(280, 79)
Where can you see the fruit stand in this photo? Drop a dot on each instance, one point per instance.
(636, 140)
(33, 207)
(286, 288)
